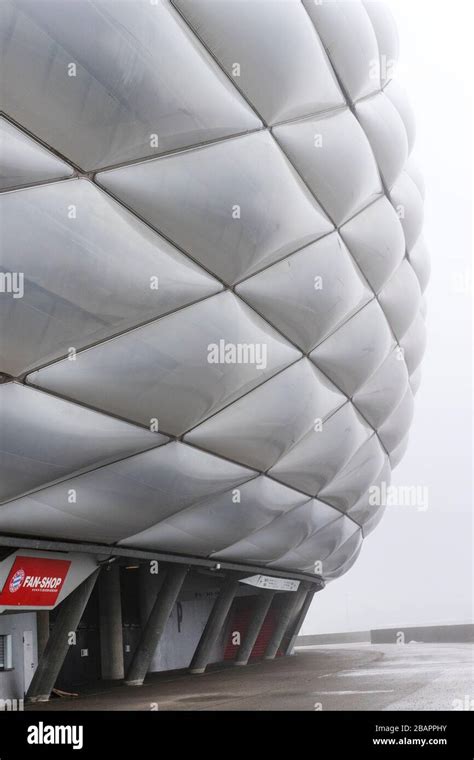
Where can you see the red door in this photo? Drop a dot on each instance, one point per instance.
(241, 613)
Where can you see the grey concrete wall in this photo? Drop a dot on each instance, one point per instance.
(186, 623)
(347, 637)
(12, 681)
(447, 634)
(182, 634)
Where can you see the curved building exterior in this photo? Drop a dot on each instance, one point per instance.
(212, 287)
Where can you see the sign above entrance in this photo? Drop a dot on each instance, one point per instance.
(275, 584)
(34, 582)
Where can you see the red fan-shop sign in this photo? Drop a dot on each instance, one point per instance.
(34, 582)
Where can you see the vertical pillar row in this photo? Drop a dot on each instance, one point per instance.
(293, 634)
(214, 625)
(262, 606)
(287, 613)
(51, 662)
(155, 625)
(110, 623)
(42, 630)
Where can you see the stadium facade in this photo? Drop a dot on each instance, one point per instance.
(212, 321)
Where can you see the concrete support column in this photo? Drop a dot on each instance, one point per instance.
(156, 623)
(42, 630)
(214, 625)
(149, 584)
(110, 624)
(56, 649)
(262, 606)
(293, 634)
(287, 612)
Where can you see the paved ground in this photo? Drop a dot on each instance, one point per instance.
(339, 677)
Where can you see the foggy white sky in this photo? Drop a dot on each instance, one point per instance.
(416, 567)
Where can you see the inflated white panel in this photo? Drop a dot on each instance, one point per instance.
(415, 380)
(250, 39)
(413, 170)
(26, 161)
(318, 547)
(369, 505)
(259, 428)
(353, 353)
(398, 453)
(182, 367)
(310, 293)
(91, 270)
(376, 241)
(420, 261)
(234, 206)
(343, 559)
(271, 542)
(395, 428)
(133, 495)
(395, 92)
(384, 390)
(316, 459)
(58, 440)
(111, 81)
(349, 37)
(413, 343)
(400, 299)
(372, 521)
(356, 477)
(387, 135)
(334, 157)
(387, 37)
(233, 515)
(408, 204)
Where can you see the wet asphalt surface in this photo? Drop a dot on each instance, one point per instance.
(341, 677)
